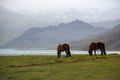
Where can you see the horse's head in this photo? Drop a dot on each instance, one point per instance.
(90, 49)
(90, 52)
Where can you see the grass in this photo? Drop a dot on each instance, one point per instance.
(77, 67)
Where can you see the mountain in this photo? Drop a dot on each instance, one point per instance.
(52, 35)
(11, 25)
(111, 38)
(106, 24)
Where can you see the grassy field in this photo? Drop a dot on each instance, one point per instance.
(77, 67)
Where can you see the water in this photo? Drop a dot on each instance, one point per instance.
(16, 52)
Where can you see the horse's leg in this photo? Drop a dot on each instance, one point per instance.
(101, 51)
(69, 53)
(59, 54)
(104, 51)
(95, 52)
(66, 53)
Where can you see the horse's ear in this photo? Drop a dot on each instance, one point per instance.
(59, 44)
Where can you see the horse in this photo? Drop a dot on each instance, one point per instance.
(63, 47)
(98, 45)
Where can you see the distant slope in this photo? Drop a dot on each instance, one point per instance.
(111, 39)
(82, 44)
(11, 25)
(53, 35)
(106, 24)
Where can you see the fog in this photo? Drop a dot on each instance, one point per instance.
(62, 11)
(40, 6)
(17, 16)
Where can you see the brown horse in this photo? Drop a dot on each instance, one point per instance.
(63, 47)
(95, 46)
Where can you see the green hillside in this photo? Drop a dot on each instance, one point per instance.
(77, 67)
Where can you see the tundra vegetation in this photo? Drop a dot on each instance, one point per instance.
(76, 67)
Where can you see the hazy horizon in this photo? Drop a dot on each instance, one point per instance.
(62, 11)
(38, 6)
(19, 16)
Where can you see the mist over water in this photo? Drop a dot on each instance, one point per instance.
(16, 52)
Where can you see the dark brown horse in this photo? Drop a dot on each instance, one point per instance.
(63, 47)
(95, 46)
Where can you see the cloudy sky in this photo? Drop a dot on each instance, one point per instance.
(36, 6)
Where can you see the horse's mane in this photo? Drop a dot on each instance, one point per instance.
(60, 47)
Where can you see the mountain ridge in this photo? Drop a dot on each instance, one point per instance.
(106, 24)
(52, 35)
(111, 38)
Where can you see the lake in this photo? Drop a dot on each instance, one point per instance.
(17, 52)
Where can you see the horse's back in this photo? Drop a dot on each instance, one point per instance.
(63, 47)
(97, 45)
(100, 44)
